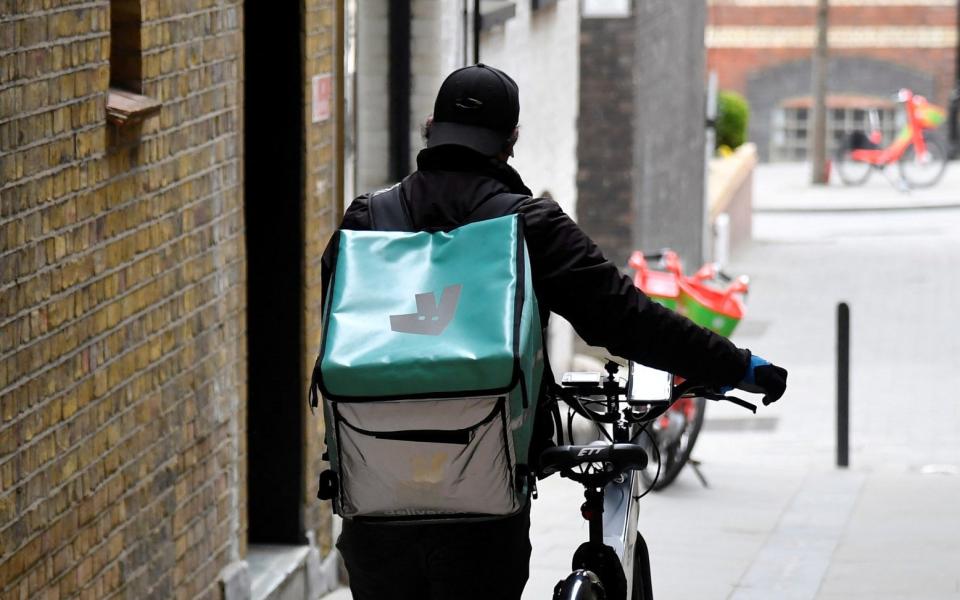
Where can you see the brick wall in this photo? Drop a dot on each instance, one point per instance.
(767, 88)
(861, 15)
(641, 148)
(735, 66)
(748, 43)
(121, 306)
(322, 215)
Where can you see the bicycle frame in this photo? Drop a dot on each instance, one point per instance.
(912, 133)
(618, 500)
(609, 472)
(621, 510)
(621, 514)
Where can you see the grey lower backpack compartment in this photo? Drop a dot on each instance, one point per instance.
(404, 466)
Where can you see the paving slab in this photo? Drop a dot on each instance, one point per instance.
(786, 187)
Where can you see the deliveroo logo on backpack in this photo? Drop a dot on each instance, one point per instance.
(431, 318)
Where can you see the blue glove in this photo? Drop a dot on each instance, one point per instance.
(762, 377)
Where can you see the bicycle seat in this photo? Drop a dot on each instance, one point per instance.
(620, 457)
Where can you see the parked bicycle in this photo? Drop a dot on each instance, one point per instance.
(614, 564)
(710, 298)
(920, 155)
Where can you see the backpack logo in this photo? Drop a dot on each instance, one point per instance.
(431, 318)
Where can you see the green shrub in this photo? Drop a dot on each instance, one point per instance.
(733, 114)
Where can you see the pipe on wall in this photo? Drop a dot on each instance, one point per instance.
(399, 91)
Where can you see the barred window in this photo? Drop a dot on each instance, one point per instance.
(792, 120)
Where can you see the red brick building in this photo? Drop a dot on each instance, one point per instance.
(763, 49)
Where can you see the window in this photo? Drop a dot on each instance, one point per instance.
(538, 4)
(606, 9)
(791, 121)
(125, 49)
(125, 104)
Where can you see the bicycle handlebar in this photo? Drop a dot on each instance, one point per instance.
(621, 457)
(614, 458)
(573, 397)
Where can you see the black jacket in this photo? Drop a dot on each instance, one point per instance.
(570, 275)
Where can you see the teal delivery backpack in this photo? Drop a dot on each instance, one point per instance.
(430, 367)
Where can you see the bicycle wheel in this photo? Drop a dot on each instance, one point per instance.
(923, 171)
(642, 588)
(852, 172)
(675, 440)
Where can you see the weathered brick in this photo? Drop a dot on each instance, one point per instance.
(122, 347)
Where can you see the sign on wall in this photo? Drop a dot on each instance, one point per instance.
(606, 8)
(322, 86)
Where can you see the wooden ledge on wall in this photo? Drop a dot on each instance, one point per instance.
(125, 107)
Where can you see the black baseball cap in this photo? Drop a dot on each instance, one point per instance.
(477, 107)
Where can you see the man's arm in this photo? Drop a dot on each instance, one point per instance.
(573, 279)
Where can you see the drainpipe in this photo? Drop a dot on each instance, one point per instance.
(476, 32)
(399, 93)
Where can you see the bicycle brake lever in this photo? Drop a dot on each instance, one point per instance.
(739, 402)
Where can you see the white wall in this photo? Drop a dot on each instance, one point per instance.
(436, 49)
(373, 68)
(541, 51)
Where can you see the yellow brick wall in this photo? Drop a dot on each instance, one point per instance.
(320, 220)
(122, 353)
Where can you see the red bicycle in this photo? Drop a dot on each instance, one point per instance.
(920, 156)
(711, 299)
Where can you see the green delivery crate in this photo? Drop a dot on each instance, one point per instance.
(707, 306)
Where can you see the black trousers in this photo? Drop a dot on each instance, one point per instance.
(448, 561)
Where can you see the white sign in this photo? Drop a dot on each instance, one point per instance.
(606, 8)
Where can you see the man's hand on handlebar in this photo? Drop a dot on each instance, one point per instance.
(763, 377)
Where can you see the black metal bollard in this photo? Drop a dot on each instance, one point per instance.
(843, 385)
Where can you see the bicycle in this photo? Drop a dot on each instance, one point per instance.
(614, 564)
(675, 432)
(920, 156)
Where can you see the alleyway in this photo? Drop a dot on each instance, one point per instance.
(778, 521)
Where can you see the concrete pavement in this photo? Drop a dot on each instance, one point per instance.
(778, 520)
(785, 186)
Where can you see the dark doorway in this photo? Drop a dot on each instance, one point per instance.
(273, 209)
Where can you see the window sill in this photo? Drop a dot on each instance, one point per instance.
(538, 4)
(280, 572)
(125, 107)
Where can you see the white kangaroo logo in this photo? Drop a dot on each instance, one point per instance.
(431, 318)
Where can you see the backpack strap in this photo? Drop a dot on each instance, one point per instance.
(497, 206)
(388, 211)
